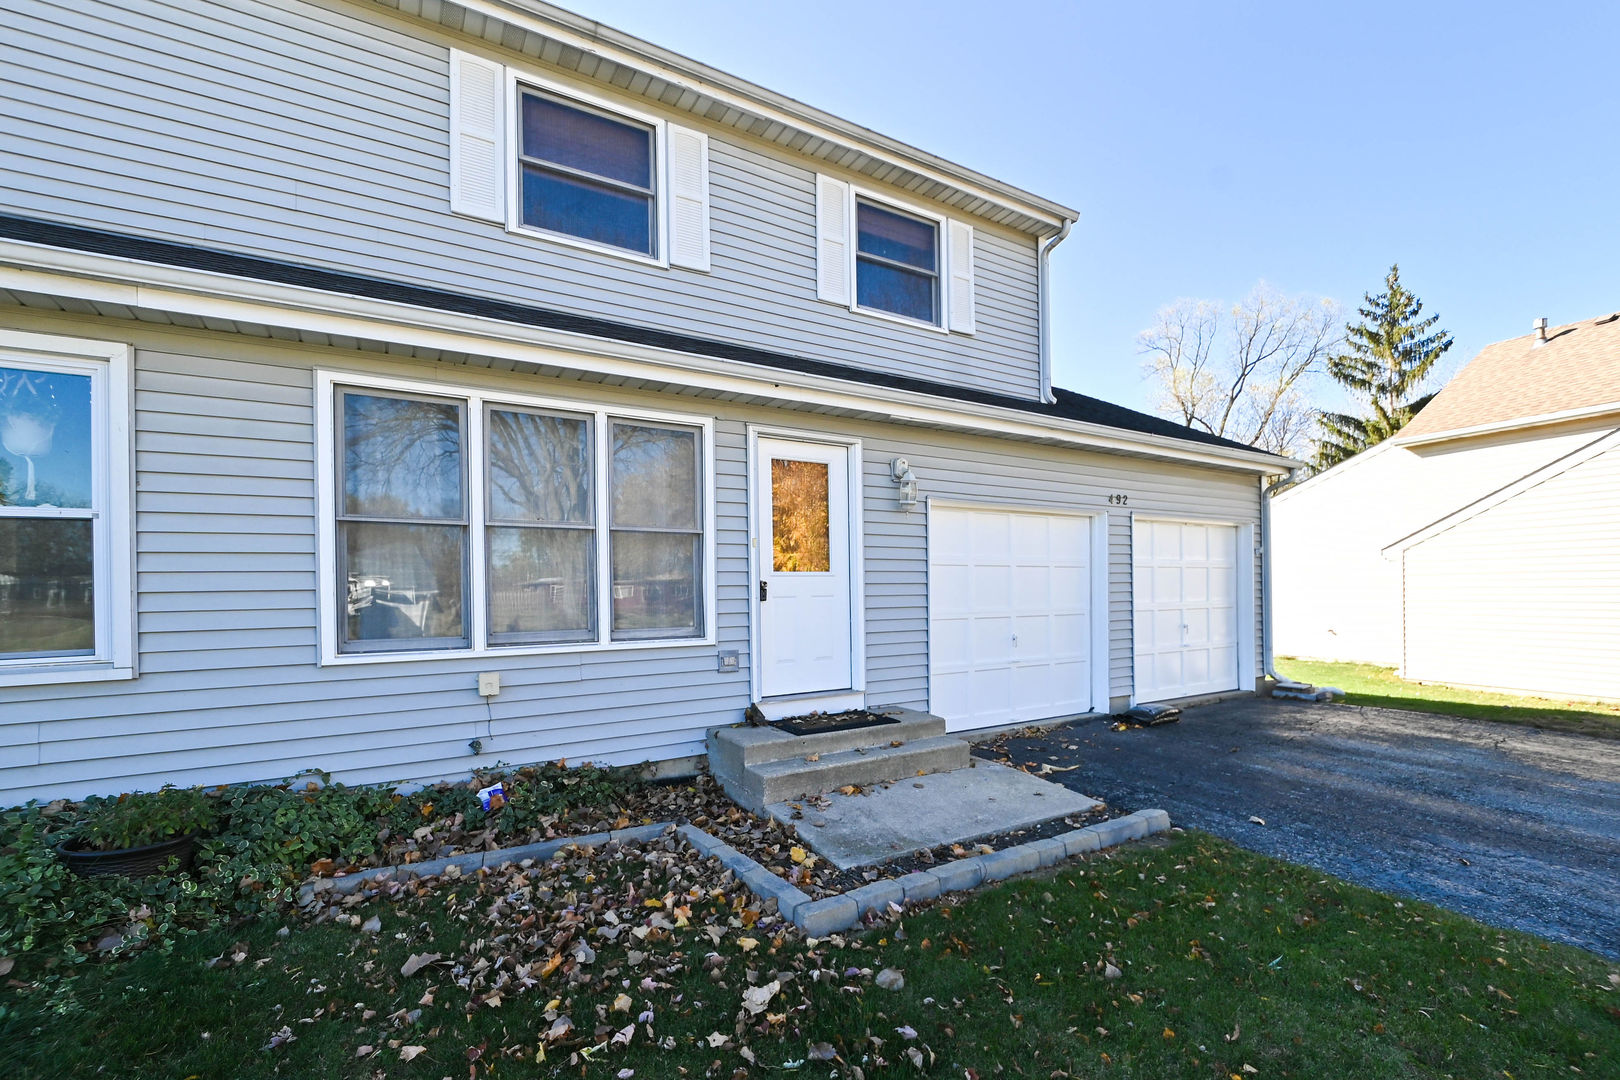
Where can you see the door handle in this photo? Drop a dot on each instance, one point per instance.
(763, 590)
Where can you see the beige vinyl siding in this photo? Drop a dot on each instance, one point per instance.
(1525, 595)
(229, 685)
(243, 126)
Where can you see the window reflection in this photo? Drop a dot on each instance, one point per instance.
(800, 537)
(47, 587)
(47, 435)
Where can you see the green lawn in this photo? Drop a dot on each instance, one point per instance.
(1368, 684)
(1178, 958)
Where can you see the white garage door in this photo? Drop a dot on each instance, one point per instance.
(1185, 604)
(1009, 623)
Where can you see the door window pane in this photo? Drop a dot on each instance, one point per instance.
(401, 457)
(47, 587)
(46, 438)
(799, 527)
(539, 468)
(542, 584)
(404, 581)
(655, 581)
(654, 477)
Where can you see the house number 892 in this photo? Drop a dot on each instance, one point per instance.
(1119, 500)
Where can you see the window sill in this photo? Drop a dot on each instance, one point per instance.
(567, 648)
(36, 674)
(903, 320)
(588, 245)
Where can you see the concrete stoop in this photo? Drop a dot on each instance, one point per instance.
(758, 766)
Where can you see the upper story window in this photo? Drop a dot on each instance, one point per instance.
(588, 175)
(896, 262)
(893, 260)
(64, 510)
(555, 161)
(476, 523)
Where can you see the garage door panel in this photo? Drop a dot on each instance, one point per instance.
(1009, 616)
(1185, 610)
(1032, 588)
(1071, 635)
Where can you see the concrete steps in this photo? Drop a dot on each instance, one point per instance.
(762, 765)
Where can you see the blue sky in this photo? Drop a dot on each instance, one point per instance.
(1208, 146)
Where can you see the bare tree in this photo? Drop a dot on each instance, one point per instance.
(1243, 373)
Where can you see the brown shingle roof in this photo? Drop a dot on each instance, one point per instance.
(1577, 368)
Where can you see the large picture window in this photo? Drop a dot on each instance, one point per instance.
(470, 522)
(63, 510)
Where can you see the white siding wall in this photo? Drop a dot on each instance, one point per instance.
(1334, 595)
(317, 133)
(229, 687)
(1525, 595)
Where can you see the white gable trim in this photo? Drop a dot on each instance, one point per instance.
(1600, 445)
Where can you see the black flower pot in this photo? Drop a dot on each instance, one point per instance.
(127, 862)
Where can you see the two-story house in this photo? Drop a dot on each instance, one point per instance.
(397, 386)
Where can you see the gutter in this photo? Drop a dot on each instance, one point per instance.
(1268, 663)
(1043, 291)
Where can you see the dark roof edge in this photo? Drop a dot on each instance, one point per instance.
(1068, 406)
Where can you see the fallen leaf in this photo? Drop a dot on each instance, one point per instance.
(1111, 972)
(6, 964)
(417, 961)
(1169, 1034)
(409, 1053)
(821, 1052)
(621, 1003)
(906, 1032)
(364, 1051)
(747, 944)
(755, 998)
(372, 925)
(1256, 820)
(890, 979)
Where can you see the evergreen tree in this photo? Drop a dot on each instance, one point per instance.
(1386, 358)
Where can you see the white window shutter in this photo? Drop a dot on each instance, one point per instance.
(477, 135)
(688, 198)
(959, 259)
(832, 240)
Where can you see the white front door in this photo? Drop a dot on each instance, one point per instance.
(1184, 584)
(1009, 616)
(806, 624)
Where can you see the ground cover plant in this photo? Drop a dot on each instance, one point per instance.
(254, 845)
(1369, 684)
(1184, 958)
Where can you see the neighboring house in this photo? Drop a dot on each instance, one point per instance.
(398, 387)
(1481, 546)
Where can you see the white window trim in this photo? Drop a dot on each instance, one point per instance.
(941, 257)
(516, 80)
(475, 398)
(108, 363)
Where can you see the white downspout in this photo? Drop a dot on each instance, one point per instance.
(1267, 661)
(1043, 289)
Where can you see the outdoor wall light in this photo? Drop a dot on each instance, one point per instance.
(900, 469)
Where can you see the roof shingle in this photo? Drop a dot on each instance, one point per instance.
(1578, 367)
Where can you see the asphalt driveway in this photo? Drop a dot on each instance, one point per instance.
(1513, 826)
